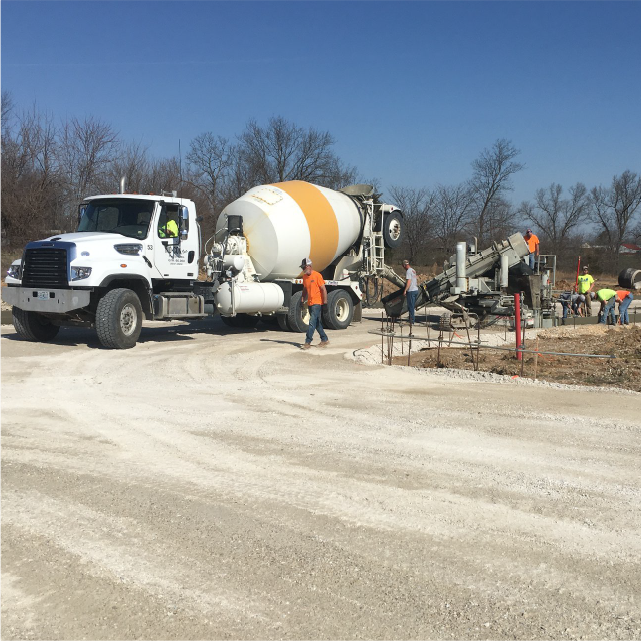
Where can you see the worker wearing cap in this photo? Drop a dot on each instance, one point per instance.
(410, 291)
(532, 241)
(607, 298)
(315, 295)
(624, 297)
(586, 283)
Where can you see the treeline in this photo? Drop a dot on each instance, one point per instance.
(48, 167)
(564, 221)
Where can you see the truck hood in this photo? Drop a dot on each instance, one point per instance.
(86, 237)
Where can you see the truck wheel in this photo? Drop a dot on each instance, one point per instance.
(244, 321)
(282, 322)
(297, 316)
(340, 310)
(31, 326)
(119, 319)
(393, 230)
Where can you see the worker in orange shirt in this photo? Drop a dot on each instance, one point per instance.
(624, 298)
(315, 295)
(532, 241)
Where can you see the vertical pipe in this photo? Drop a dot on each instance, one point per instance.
(578, 267)
(461, 250)
(517, 324)
(505, 267)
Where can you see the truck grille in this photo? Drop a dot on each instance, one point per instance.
(45, 268)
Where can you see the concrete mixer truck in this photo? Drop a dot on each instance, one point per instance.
(136, 257)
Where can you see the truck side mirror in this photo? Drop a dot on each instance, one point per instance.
(81, 212)
(184, 223)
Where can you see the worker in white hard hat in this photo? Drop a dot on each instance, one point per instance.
(315, 295)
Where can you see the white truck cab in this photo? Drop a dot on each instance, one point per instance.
(128, 250)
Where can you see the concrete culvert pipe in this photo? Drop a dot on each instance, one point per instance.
(630, 278)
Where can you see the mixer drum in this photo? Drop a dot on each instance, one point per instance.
(286, 222)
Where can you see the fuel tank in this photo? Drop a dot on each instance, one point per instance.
(249, 297)
(286, 222)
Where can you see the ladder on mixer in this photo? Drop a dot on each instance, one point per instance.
(376, 253)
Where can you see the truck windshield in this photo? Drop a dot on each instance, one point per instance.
(127, 217)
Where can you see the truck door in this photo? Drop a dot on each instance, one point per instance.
(174, 257)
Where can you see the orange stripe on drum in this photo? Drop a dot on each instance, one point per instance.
(321, 220)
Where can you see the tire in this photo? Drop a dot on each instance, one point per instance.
(241, 321)
(282, 322)
(393, 230)
(340, 310)
(119, 319)
(296, 321)
(31, 326)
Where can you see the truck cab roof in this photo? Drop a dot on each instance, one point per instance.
(156, 197)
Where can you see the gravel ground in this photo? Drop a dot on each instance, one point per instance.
(214, 484)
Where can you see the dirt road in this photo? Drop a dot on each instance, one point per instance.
(209, 484)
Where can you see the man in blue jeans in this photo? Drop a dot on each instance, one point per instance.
(315, 295)
(625, 298)
(410, 291)
(607, 298)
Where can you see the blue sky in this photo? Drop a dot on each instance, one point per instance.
(412, 91)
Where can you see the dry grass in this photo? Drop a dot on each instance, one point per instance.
(624, 371)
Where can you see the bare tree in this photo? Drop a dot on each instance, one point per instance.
(635, 234)
(7, 109)
(557, 217)
(452, 211)
(283, 151)
(164, 175)
(613, 208)
(133, 163)
(489, 183)
(416, 205)
(86, 150)
(31, 194)
(212, 159)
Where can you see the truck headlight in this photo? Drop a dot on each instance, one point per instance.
(129, 249)
(15, 271)
(78, 273)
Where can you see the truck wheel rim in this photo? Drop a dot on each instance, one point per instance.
(128, 319)
(394, 229)
(342, 310)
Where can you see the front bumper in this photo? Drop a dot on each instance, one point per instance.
(59, 301)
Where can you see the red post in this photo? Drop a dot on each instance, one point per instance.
(517, 325)
(578, 267)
